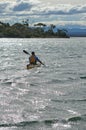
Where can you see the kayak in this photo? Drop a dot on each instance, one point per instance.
(30, 66)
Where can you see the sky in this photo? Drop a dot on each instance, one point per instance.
(57, 12)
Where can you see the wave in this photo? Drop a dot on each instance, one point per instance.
(8, 83)
(48, 122)
(70, 100)
(19, 124)
(83, 77)
(54, 81)
(77, 118)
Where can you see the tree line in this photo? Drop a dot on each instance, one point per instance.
(23, 30)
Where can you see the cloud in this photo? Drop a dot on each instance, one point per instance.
(61, 10)
(3, 7)
(19, 6)
(83, 18)
(78, 9)
(37, 8)
(22, 6)
(40, 11)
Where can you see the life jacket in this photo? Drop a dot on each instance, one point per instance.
(32, 60)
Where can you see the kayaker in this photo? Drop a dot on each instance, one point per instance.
(33, 59)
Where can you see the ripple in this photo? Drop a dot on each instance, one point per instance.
(48, 123)
(83, 77)
(78, 118)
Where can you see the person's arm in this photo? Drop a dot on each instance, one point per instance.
(39, 61)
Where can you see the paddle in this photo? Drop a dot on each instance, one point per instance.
(29, 54)
(26, 52)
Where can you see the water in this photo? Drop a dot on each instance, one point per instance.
(51, 97)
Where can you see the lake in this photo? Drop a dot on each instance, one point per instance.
(51, 97)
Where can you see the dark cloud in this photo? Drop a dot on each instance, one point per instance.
(22, 6)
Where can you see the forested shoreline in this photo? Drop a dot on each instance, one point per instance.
(23, 30)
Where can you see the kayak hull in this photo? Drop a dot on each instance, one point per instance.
(30, 66)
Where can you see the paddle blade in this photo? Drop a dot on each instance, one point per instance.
(25, 52)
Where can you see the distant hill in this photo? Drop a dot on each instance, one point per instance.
(77, 32)
(72, 31)
(41, 30)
